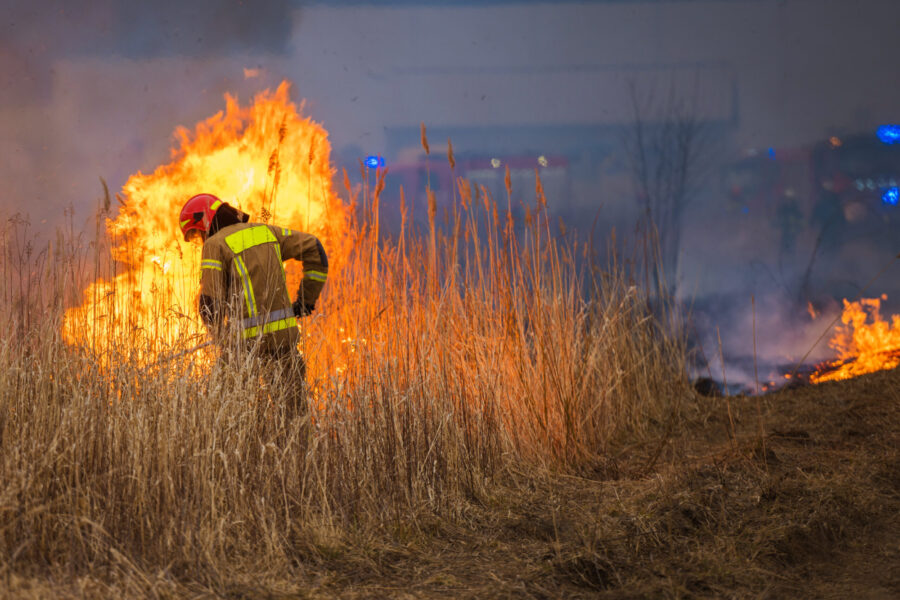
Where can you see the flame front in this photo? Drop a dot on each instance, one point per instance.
(862, 346)
(265, 159)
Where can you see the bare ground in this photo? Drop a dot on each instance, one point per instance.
(809, 508)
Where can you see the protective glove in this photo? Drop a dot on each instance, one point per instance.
(302, 310)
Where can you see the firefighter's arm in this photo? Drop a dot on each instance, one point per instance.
(307, 249)
(213, 285)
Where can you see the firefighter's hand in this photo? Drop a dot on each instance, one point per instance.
(302, 310)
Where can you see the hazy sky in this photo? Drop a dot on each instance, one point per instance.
(95, 89)
(91, 89)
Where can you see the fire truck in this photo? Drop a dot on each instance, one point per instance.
(844, 187)
(859, 170)
(417, 175)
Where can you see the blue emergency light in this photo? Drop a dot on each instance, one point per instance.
(889, 134)
(891, 196)
(373, 162)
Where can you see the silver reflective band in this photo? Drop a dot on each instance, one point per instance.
(258, 320)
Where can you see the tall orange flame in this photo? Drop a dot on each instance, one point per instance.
(266, 159)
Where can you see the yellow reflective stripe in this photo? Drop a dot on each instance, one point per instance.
(215, 205)
(278, 252)
(315, 275)
(183, 223)
(285, 231)
(281, 262)
(284, 313)
(247, 238)
(270, 327)
(249, 298)
(210, 263)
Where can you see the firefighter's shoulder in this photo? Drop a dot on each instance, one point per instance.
(236, 238)
(283, 232)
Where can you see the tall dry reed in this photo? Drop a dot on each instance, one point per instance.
(438, 360)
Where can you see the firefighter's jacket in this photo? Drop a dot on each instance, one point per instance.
(242, 271)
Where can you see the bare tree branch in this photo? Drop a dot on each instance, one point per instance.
(665, 149)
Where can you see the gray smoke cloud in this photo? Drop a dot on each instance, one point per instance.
(95, 89)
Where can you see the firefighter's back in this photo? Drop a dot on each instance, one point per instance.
(253, 279)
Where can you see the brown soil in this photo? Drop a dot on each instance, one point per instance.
(810, 508)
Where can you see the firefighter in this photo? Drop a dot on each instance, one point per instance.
(243, 288)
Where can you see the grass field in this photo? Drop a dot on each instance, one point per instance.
(492, 414)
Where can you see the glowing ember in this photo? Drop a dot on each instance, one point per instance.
(862, 346)
(813, 313)
(265, 159)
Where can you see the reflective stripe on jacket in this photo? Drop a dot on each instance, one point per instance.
(245, 261)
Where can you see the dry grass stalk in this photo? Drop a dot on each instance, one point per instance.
(424, 138)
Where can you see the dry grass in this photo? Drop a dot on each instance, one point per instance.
(493, 421)
(468, 356)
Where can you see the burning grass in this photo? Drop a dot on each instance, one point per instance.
(141, 296)
(864, 341)
(162, 484)
(488, 418)
(441, 362)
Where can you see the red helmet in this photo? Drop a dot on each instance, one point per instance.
(197, 214)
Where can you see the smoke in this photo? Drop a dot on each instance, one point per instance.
(743, 340)
(94, 89)
(772, 305)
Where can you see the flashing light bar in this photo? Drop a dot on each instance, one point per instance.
(891, 196)
(373, 162)
(889, 134)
